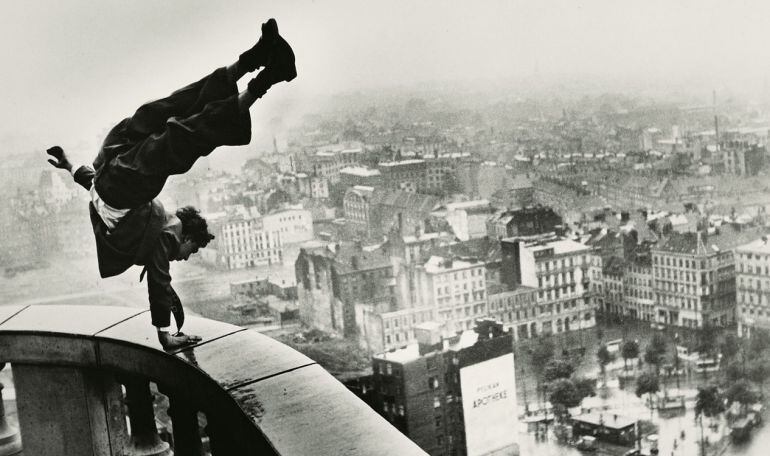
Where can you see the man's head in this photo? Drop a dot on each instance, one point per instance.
(195, 232)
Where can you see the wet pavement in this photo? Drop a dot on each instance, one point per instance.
(679, 433)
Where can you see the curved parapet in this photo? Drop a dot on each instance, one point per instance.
(256, 395)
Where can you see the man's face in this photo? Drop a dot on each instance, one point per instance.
(186, 249)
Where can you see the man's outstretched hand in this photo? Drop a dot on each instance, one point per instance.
(178, 340)
(61, 161)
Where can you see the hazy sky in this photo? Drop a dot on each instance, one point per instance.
(70, 69)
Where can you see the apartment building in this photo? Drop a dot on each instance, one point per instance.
(293, 225)
(451, 394)
(752, 269)
(638, 290)
(404, 175)
(456, 288)
(516, 309)
(243, 242)
(614, 292)
(566, 274)
(694, 277)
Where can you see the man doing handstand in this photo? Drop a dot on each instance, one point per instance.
(163, 138)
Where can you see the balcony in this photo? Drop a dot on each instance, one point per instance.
(86, 379)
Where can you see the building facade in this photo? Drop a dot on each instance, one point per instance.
(517, 310)
(244, 242)
(451, 395)
(293, 225)
(752, 268)
(455, 288)
(566, 274)
(694, 278)
(639, 294)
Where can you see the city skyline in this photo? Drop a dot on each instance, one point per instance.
(73, 71)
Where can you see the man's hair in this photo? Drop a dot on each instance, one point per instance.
(194, 226)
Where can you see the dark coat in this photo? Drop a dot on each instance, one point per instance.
(134, 239)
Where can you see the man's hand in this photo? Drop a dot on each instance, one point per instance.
(62, 161)
(178, 340)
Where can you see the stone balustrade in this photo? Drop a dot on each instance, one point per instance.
(86, 379)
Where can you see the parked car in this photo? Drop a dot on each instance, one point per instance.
(586, 443)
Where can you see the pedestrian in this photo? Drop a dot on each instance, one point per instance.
(163, 138)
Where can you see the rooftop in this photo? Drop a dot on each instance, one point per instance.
(609, 420)
(482, 203)
(756, 246)
(360, 171)
(437, 265)
(559, 247)
(727, 238)
(401, 163)
(411, 352)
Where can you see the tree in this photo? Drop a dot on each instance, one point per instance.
(629, 350)
(604, 357)
(540, 353)
(734, 371)
(709, 402)
(707, 336)
(741, 393)
(758, 343)
(647, 383)
(566, 393)
(585, 386)
(730, 347)
(655, 351)
(758, 371)
(451, 185)
(556, 369)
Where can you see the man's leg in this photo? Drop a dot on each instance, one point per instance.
(137, 175)
(151, 117)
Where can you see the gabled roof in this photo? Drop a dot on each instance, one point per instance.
(416, 202)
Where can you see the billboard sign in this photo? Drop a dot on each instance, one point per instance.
(489, 405)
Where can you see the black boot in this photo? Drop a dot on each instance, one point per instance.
(280, 68)
(259, 55)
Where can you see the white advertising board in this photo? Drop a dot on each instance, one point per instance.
(489, 405)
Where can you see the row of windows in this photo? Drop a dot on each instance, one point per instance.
(556, 279)
(561, 263)
(459, 299)
(445, 290)
(678, 262)
(683, 303)
(753, 283)
(556, 293)
(415, 318)
(757, 269)
(458, 275)
(684, 276)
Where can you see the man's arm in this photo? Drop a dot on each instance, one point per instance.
(83, 175)
(163, 299)
(159, 291)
